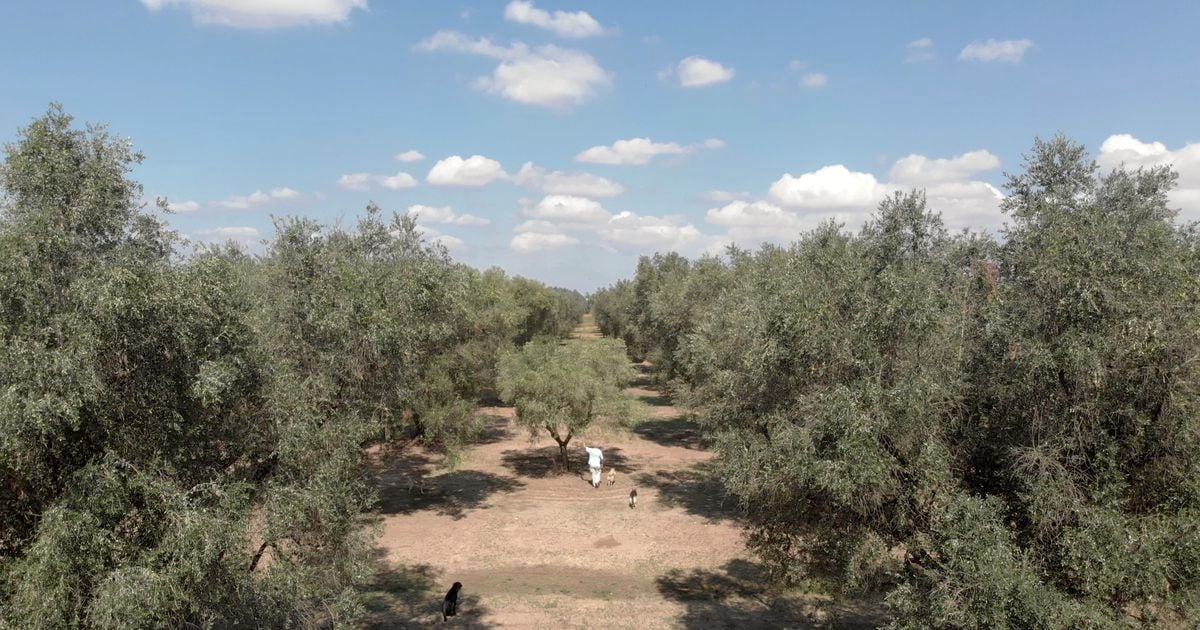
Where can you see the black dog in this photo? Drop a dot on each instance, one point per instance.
(450, 602)
(633, 498)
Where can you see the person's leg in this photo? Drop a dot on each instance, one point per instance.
(595, 477)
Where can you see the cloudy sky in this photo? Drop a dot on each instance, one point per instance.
(562, 140)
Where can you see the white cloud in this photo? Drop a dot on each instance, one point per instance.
(725, 196)
(797, 203)
(758, 220)
(476, 170)
(563, 183)
(551, 77)
(411, 155)
(444, 214)
(263, 13)
(828, 187)
(1010, 50)
(814, 80)
(919, 51)
(640, 151)
(355, 181)
(649, 233)
(433, 235)
(183, 207)
(699, 72)
(397, 181)
(257, 198)
(528, 242)
(578, 24)
(448, 241)
(361, 182)
(537, 225)
(1125, 149)
(568, 209)
(557, 215)
(919, 170)
(244, 235)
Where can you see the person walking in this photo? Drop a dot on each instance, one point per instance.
(595, 461)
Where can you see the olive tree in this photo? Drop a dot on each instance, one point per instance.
(562, 387)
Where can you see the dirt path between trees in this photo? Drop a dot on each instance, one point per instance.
(539, 548)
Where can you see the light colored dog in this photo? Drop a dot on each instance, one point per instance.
(612, 476)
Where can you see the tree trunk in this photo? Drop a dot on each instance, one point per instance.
(562, 445)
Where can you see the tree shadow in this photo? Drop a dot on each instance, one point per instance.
(645, 375)
(676, 432)
(697, 489)
(451, 494)
(411, 597)
(542, 462)
(657, 400)
(495, 429)
(738, 596)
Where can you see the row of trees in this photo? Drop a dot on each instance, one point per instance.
(181, 438)
(1000, 434)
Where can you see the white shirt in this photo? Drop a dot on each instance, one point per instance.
(594, 457)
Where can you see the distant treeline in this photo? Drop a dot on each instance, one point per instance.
(997, 434)
(181, 437)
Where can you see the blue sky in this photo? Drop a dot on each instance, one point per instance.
(645, 126)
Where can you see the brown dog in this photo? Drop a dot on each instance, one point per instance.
(612, 476)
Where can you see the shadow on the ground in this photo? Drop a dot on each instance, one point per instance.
(697, 489)
(411, 597)
(539, 463)
(495, 429)
(657, 400)
(737, 596)
(676, 432)
(405, 487)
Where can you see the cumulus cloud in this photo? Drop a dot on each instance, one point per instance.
(828, 187)
(562, 23)
(476, 170)
(361, 182)
(1010, 50)
(358, 182)
(549, 76)
(1125, 149)
(814, 80)
(797, 203)
(433, 235)
(444, 214)
(411, 155)
(725, 196)
(759, 220)
(397, 181)
(640, 151)
(247, 236)
(183, 207)
(699, 72)
(586, 220)
(631, 231)
(563, 183)
(257, 198)
(529, 242)
(919, 170)
(919, 51)
(568, 209)
(264, 14)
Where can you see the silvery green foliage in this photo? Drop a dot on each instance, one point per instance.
(996, 434)
(562, 387)
(182, 438)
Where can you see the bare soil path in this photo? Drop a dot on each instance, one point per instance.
(539, 548)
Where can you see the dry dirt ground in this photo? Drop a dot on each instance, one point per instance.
(536, 547)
